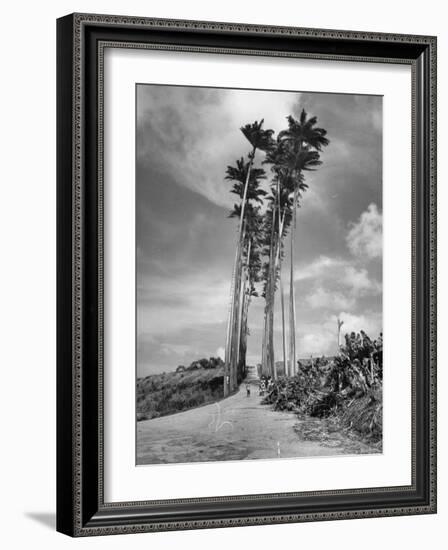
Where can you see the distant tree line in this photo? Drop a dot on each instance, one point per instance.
(211, 363)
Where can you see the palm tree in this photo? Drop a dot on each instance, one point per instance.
(304, 142)
(239, 175)
(250, 275)
(277, 220)
(281, 197)
(304, 132)
(284, 220)
(269, 229)
(260, 238)
(259, 139)
(248, 184)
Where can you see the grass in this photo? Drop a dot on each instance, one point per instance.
(172, 392)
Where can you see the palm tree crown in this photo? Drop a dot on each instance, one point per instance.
(256, 136)
(304, 132)
(240, 174)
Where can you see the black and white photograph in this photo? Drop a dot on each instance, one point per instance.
(221, 251)
(259, 311)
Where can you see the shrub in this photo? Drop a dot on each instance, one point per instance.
(349, 386)
(160, 395)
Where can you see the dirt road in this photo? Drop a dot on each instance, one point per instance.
(236, 428)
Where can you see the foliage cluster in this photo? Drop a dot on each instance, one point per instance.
(168, 393)
(349, 386)
(211, 363)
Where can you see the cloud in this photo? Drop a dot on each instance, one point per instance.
(220, 352)
(174, 349)
(155, 354)
(359, 282)
(338, 269)
(322, 298)
(317, 267)
(322, 342)
(336, 283)
(371, 323)
(365, 237)
(321, 338)
(194, 133)
(166, 305)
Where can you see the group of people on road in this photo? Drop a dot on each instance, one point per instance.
(265, 385)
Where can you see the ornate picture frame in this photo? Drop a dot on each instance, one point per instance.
(81, 506)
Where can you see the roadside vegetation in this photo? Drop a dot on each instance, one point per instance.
(188, 387)
(346, 391)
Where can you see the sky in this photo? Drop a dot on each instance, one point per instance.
(185, 139)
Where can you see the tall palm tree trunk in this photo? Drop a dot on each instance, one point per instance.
(230, 364)
(244, 277)
(244, 332)
(235, 325)
(263, 341)
(271, 294)
(292, 306)
(282, 303)
(239, 351)
(228, 353)
(237, 294)
(281, 220)
(266, 349)
(272, 369)
(282, 298)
